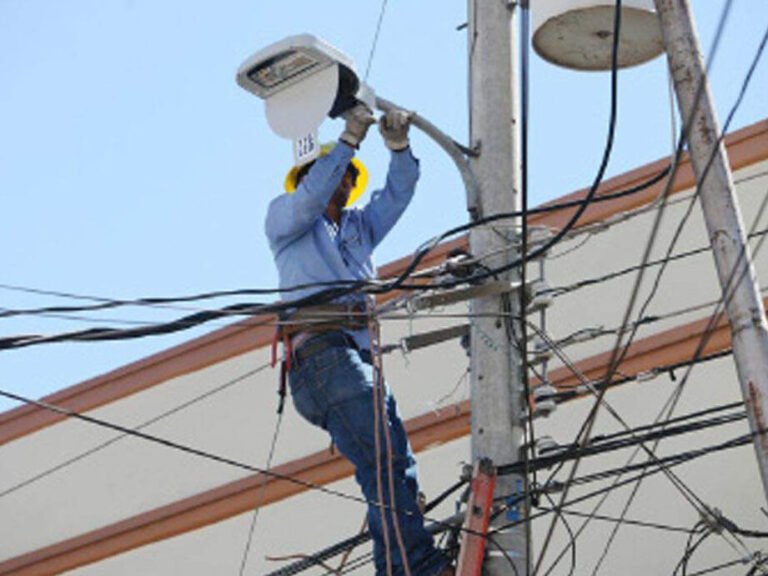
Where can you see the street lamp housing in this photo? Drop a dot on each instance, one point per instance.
(294, 60)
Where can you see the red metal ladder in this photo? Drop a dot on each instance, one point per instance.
(472, 553)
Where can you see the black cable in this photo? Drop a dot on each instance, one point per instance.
(598, 178)
(311, 560)
(718, 567)
(524, 39)
(668, 461)
(559, 291)
(744, 86)
(105, 303)
(335, 289)
(616, 355)
(568, 395)
(577, 451)
(628, 522)
(571, 535)
(672, 460)
(180, 447)
(708, 165)
(145, 424)
(375, 39)
(436, 527)
(260, 494)
(690, 548)
(198, 318)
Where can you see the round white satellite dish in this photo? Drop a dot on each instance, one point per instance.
(299, 109)
(578, 34)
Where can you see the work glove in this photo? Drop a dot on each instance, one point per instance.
(394, 127)
(358, 120)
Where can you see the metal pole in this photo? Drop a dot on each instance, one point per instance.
(496, 368)
(733, 259)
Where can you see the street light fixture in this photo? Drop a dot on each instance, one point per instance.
(294, 59)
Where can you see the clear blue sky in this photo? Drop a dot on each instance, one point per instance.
(132, 165)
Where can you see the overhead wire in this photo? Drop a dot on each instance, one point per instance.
(145, 424)
(617, 479)
(571, 534)
(627, 521)
(697, 190)
(136, 433)
(261, 490)
(111, 303)
(616, 355)
(671, 460)
(179, 446)
(561, 290)
(375, 42)
(644, 472)
(524, 47)
(725, 298)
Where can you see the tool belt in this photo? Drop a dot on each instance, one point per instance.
(313, 320)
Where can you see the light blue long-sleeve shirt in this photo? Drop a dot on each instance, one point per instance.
(310, 248)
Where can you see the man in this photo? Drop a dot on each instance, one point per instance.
(316, 239)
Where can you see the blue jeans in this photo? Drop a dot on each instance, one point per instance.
(333, 389)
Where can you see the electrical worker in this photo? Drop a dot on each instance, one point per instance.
(315, 239)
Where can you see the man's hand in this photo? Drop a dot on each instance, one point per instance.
(394, 127)
(358, 119)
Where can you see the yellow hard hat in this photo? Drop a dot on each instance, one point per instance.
(325, 149)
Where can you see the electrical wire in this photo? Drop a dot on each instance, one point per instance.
(604, 498)
(204, 454)
(671, 408)
(571, 535)
(616, 355)
(175, 410)
(375, 39)
(562, 290)
(668, 461)
(181, 447)
(260, 494)
(627, 521)
(697, 503)
(524, 47)
(671, 460)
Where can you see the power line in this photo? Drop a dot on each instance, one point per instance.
(375, 39)
(79, 457)
(136, 433)
(617, 354)
(178, 446)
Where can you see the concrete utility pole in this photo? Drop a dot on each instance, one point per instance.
(749, 330)
(496, 365)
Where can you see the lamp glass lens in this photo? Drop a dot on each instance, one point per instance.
(282, 67)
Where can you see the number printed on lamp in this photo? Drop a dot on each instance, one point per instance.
(306, 148)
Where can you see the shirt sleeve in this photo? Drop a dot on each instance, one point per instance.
(291, 215)
(388, 204)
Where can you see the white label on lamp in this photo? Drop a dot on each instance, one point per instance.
(306, 148)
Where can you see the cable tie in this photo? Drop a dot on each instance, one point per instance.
(586, 334)
(582, 389)
(646, 376)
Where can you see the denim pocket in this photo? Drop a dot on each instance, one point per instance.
(304, 397)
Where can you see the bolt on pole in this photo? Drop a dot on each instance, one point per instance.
(733, 258)
(496, 363)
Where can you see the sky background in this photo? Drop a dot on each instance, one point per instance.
(132, 165)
